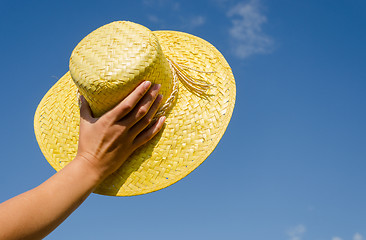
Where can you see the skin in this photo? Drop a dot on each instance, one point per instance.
(104, 145)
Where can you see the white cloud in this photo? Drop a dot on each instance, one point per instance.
(179, 19)
(296, 232)
(176, 6)
(153, 18)
(186, 22)
(162, 3)
(153, 2)
(246, 31)
(195, 21)
(357, 236)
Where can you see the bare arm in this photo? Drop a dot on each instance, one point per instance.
(104, 144)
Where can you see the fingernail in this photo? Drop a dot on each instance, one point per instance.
(147, 83)
(157, 86)
(162, 119)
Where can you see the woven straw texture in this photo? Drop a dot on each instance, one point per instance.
(192, 130)
(111, 61)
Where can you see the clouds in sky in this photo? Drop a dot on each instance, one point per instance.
(357, 236)
(162, 3)
(190, 22)
(196, 21)
(296, 232)
(185, 21)
(246, 31)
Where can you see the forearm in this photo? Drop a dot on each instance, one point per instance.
(104, 144)
(34, 214)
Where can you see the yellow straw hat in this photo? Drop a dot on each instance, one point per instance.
(199, 97)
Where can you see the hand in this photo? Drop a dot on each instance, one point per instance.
(106, 142)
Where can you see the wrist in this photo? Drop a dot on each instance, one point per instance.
(96, 174)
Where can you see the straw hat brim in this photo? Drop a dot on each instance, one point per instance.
(192, 130)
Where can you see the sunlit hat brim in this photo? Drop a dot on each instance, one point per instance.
(192, 130)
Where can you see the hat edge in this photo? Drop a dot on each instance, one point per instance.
(157, 186)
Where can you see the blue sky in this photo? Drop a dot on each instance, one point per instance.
(291, 165)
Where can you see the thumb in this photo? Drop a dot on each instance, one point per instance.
(85, 111)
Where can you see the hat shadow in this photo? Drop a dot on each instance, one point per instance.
(112, 184)
(117, 179)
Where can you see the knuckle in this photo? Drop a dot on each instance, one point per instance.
(146, 120)
(106, 120)
(142, 112)
(141, 93)
(127, 106)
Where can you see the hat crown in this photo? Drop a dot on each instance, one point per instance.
(112, 60)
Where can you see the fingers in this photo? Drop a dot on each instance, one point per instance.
(149, 133)
(143, 107)
(85, 111)
(129, 103)
(146, 120)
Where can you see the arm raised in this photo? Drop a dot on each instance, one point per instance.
(104, 144)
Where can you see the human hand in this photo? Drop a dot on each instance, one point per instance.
(106, 142)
